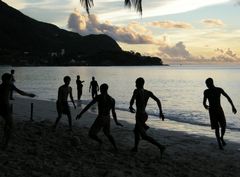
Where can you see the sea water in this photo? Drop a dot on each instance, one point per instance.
(180, 88)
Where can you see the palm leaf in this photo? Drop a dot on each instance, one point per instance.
(87, 4)
(137, 4)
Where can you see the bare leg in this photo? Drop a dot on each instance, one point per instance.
(7, 131)
(110, 137)
(78, 95)
(136, 140)
(69, 121)
(222, 134)
(218, 138)
(57, 120)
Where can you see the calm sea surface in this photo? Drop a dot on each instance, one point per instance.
(180, 88)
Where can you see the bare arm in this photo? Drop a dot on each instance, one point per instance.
(22, 92)
(205, 101)
(90, 86)
(115, 115)
(97, 87)
(86, 108)
(159, 105)
(230, 101)
(71, 97)
(131, 109)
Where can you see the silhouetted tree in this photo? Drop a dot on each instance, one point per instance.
(137, 4)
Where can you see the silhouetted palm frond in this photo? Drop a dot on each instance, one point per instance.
(136, 3)
(87, 4)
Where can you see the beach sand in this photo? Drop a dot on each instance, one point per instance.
(35, 150)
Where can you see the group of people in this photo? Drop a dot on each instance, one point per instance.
(106, 105)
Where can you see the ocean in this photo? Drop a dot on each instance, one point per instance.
(179, 87)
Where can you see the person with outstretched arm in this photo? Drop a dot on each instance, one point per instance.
(105, 104)
(5, 111)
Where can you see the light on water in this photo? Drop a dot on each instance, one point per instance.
(180, 88)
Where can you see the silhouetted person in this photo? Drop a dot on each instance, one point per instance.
(105, 104)
(79, 87)
(141, 96)
(94, 86)
(62, 102)
(217, 117)
(12, 81)
(5, 110)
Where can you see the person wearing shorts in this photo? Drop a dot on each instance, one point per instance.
(62, 102)
(216, 114)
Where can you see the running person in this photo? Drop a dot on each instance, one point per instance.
(141, 96)
(217, 117)
(105, 104)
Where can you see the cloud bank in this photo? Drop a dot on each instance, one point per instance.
(133, 33)
(179, 53)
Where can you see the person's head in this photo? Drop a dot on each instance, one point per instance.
(140, 82)
(6, 78)
(12, 71)
(78, 77)
(209, 82)
(93, 78)
(67, 80)
(103, 88)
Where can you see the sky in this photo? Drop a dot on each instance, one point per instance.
(177, 31)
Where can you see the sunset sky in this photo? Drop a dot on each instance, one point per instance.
(178, 31)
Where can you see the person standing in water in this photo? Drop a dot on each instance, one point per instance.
(79, 87)
(94, 87)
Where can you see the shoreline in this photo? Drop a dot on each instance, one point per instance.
(35, 150)
(186, 127)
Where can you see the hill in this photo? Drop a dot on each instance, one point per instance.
(26, 41)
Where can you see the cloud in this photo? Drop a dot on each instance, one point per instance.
(180, 53)
(171, 25)
(177, 51)
(212, 22)
(133, 33)
(225, 55)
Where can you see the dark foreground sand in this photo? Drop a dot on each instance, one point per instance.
(35, 150)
